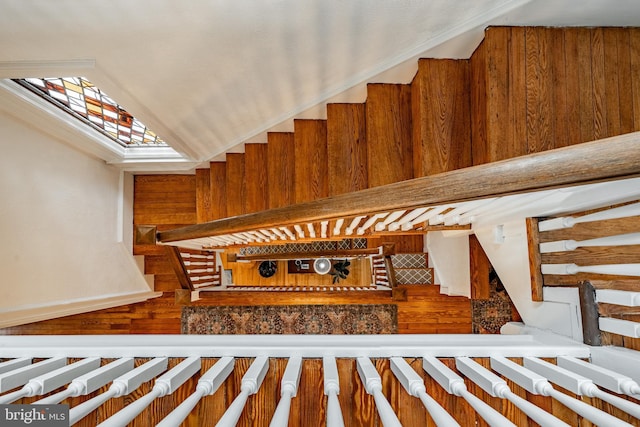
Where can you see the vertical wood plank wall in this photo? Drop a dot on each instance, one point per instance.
(280, 169)
(389, 134)
(256, 185)
(311, 180)
(346, 148)
(441, 116)
(548, 88)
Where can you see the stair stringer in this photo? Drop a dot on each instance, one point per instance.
(449, 256)
(507, 248)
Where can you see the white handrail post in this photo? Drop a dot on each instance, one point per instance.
(454, 384)
(166, 384)
(536, 383)
(251, 382)
(52, 380)
(207, 385)
(578, 384)
(331, 390)
(288, 389)
(604, 377)
(414, 385)
(21, 375)
(91, 381)
(373, 385)
(121, 386)
(497, 387)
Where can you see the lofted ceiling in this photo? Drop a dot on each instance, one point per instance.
(208, 76)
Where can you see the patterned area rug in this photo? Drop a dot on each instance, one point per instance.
(295, 319)
(488, 316)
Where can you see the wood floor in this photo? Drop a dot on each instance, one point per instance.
(425, 311)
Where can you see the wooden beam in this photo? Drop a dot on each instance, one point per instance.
(533, 243)
(175, 260)
(596, 161)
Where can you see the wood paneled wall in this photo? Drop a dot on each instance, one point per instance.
(167, 201)
(311, 180)
(389, 134)
(346, 148)
(441, 115)
(546, 88)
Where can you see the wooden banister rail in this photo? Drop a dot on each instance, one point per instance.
(602, 160)
(175, 259)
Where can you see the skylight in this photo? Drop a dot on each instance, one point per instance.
(82, 99)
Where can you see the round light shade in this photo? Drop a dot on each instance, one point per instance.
(322, 265)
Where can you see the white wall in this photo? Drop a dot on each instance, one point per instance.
(62, 248)
(449, 256)
(508, 252)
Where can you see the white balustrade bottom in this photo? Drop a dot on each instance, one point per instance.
(425, 367)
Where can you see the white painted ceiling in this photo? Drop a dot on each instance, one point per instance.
(210, 75)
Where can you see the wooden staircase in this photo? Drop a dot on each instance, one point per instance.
(517, 94)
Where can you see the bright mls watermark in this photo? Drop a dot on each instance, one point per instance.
(34, 415)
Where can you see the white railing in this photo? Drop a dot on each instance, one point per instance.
(610, 296)
(201, 268)
(535, 375)
(461, 214)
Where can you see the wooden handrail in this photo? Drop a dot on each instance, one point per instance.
(391, 273)
(175, 259)
(602, 160)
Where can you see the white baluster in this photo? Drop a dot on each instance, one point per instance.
(13, 364)
(331, 390)
(238, 238)
(394, 226)
(454, 216)
(368, 223)
(615, 269)
(91, 381)
(312, 230)
(604, 377)
(279, 233)
(454, 384)
(299, 230)
(414, 385)
(20, 376)
(538, 384)
(270, 234)
(626, 328)
(497, 387)
(165, 385)
(324, 225)
(570, 245)
(121, 386)
(568, 222)
(337, 229)
(613, 296)
(354, 223)
(207, 385)
(254, 236)
(380, 226)
(251, 382)
(289, 233)
(373, 386)
(426, 216)
(578, 384)
(434, 216)
(288, 389)
(50, 381)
